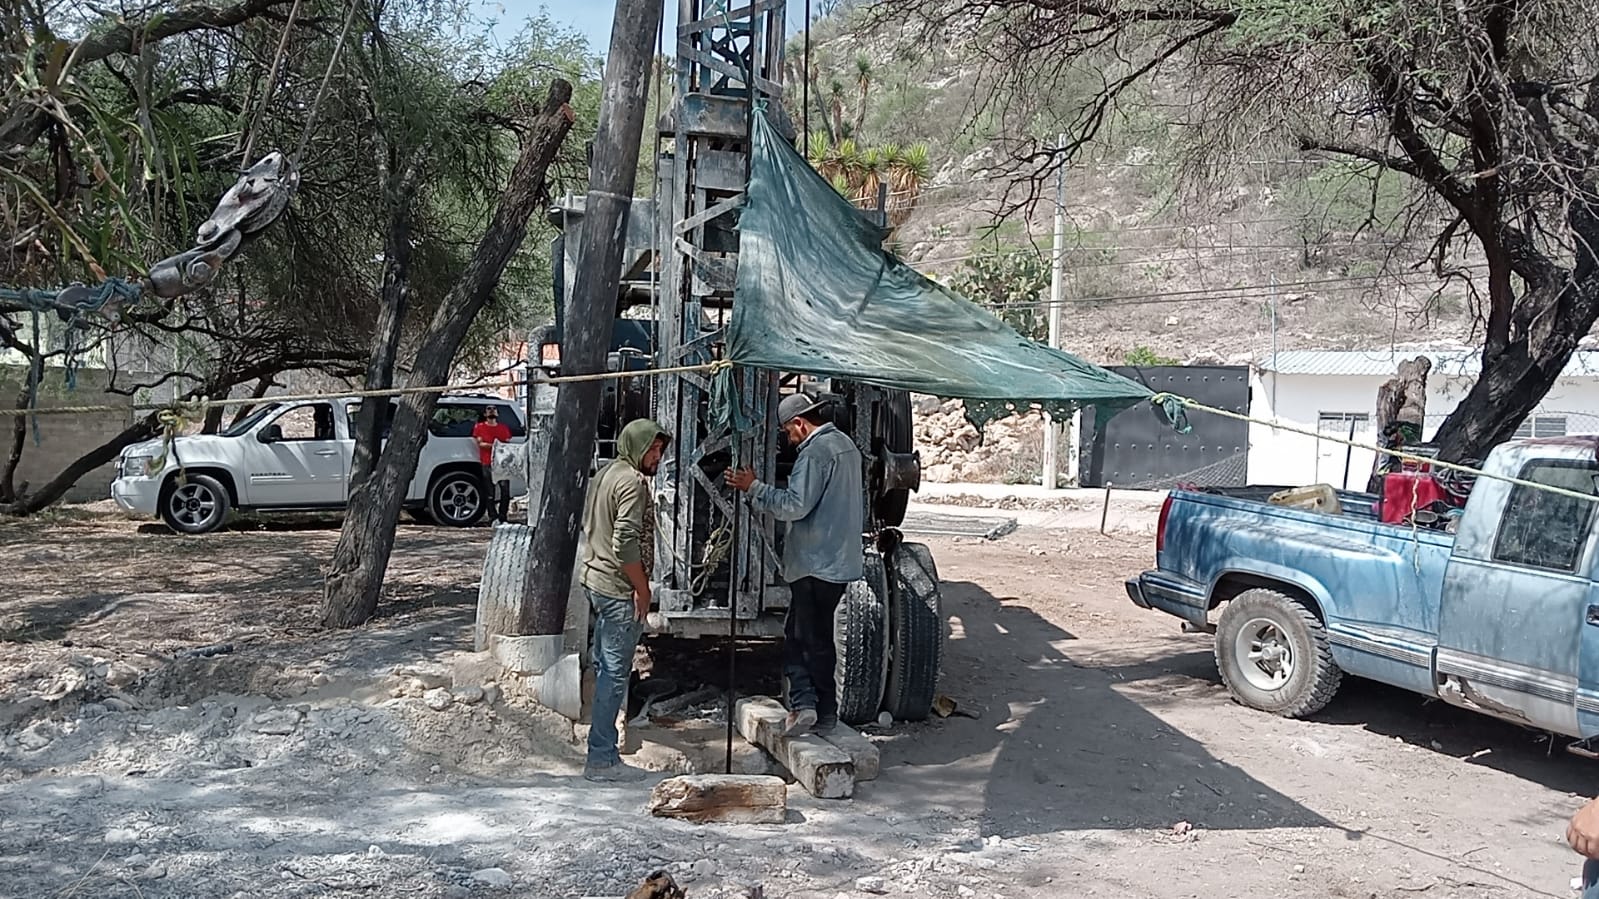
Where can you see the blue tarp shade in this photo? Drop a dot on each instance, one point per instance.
(818, 294)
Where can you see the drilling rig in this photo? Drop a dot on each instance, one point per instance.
(717, 571)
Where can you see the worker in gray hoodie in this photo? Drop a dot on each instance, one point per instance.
(825, 507)
(617, 558)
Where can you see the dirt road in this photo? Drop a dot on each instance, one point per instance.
(174, 725)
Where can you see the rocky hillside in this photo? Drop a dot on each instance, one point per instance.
(1157, 267)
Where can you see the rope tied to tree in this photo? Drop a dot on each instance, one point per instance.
(172, 419)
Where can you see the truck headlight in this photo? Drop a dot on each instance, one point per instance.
(136, 466)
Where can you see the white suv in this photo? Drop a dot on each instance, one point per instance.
(297, 457)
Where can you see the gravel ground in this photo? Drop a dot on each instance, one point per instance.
(172, 723)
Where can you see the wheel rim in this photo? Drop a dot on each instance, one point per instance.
(192, 505)
(458, 501)
(1265, 654)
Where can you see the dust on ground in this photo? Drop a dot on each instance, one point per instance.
(175, 724)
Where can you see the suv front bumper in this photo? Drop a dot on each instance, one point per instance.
(138, 495)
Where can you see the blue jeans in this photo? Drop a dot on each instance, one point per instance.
(615, 636)
(809, 655)
(1590, 879)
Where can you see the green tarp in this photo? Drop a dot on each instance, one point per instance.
(817, 294)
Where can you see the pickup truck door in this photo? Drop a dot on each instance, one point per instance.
(300, 463)
(1519, 626)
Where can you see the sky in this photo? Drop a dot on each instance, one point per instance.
(593, 17)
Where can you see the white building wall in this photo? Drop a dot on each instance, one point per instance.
(1280, 457)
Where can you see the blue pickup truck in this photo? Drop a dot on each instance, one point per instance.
(1499, 613)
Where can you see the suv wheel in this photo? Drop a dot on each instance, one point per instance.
(196, 504)
(456, 500)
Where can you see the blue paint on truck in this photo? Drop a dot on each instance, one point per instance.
(1501, 616)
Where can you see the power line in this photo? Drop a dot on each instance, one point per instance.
(1251, 291)
(1119, 263)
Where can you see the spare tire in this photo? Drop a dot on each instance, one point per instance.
(860, 634)
(895, 429)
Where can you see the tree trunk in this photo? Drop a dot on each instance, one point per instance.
(390, 325)
(9, 492)
(590, 318)
(354, 577)
(1515, 379)
(19, 434)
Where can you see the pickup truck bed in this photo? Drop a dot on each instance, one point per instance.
(1502, 617)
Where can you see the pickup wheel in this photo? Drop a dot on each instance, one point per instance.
(194, 504)
(1273, 655)
(456, 500)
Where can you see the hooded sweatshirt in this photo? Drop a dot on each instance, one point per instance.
(617, 515)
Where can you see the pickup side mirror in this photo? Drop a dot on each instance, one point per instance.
(270, 434)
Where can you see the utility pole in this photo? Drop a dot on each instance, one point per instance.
(590, 316)
(1057, 276)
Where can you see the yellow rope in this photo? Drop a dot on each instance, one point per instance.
(204, 405)
(1160, 398)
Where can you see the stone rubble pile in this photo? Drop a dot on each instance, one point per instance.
(1011, 451)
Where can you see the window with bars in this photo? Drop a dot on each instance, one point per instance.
(1542, 426)
(1340, 422)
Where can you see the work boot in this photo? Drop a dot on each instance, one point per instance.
(825, 724)
(798, 722)
(619, 773)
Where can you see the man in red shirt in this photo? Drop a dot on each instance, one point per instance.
(487, 432)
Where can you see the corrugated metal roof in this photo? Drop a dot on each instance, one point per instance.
(1369, 363)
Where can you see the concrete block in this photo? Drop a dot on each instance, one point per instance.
(560, 687)
(526, 655)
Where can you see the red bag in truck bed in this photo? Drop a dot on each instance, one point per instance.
(1403, 492)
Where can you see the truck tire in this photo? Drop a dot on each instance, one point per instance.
(194, 504)
(1273, 654)
(860, 632)
(455, 499)
(915, 632)
(499, 593)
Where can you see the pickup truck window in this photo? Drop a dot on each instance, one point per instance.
(1547, 530)
(313, 422)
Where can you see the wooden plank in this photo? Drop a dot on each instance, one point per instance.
(729, 70)
(700, 218)
(868, 761)
(721, 799)
(824, 770)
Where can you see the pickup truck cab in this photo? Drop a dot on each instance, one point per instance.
(297, 457)
(1501, 616)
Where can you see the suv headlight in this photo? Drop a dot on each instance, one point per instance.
(136, 466)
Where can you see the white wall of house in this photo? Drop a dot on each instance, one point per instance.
(1329, 403)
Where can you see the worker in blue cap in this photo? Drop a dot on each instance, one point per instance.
(825, 507)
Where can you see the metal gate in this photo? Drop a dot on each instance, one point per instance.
(1139, 450)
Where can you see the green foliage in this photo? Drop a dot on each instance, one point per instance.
(1013, 283)
(1340, 199)
(1143, 356)
(137, 148)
